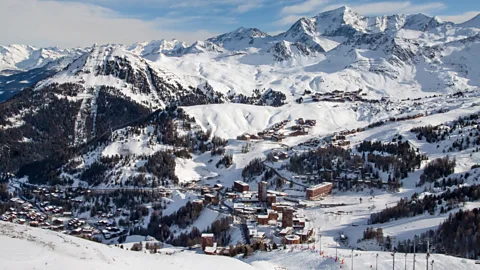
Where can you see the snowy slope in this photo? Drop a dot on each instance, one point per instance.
(29, 248)
(23, 57)
(241, 38)
(148, 48)
(397, 56)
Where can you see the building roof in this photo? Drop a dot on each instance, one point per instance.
(238, 205)
(211, 249)
(325, 184)
(258, 234)
(241, 183)
(287, 230)
(207, 235)
(292, 237)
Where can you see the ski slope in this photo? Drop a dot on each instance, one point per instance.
(30, 248)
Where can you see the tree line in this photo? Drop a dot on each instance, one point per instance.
(443, 203)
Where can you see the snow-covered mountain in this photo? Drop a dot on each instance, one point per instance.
(240, 39)
(155, 47)
(339, 48)
(158, 123)
(396, 57)
(17, 58)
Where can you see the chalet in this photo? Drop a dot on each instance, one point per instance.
(57, 228)
(21, 221)
(272, 214)
(299, 222)
(278, 137)
(238, 206)
(210, 198)
(57, 221)
(258, 236)
(292, 239)
(262, 219)
(360, 129)
(255, 137)
(208, 240)
(197, 203)
(286, 231)
(87, 230)
(304, 234)
(342, 143)
(311, 122)
(232, 195)
(244, 137)
(274, 206)
(240, 186)
(34, 224)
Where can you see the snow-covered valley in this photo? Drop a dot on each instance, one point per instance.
(344, 140)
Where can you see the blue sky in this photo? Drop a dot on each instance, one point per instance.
(82, 22)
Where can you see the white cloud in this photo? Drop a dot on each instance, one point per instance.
(366, 8)
(460, 18)
(288, 20)
(67, 24)
(274, 33)
(245, 7)
(304, 7)
(385, 8)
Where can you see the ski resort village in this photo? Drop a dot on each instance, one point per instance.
(346, 142)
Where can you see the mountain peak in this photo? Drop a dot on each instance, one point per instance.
(341, 11)
(238, 38)
(241, 29)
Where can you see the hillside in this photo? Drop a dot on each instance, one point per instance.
(345, 131)
(396, 56)
(29, 248)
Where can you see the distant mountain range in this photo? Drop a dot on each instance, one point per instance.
(74, 96)
(339, 35)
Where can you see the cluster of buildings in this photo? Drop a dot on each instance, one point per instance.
(267, 215)
(340, 140)
(273, 210)
(46, 216)
(273, 133)
(24, 213)
(278, 131)
(278, 155)
(339, 96)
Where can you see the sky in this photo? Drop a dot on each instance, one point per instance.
(74, 23)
